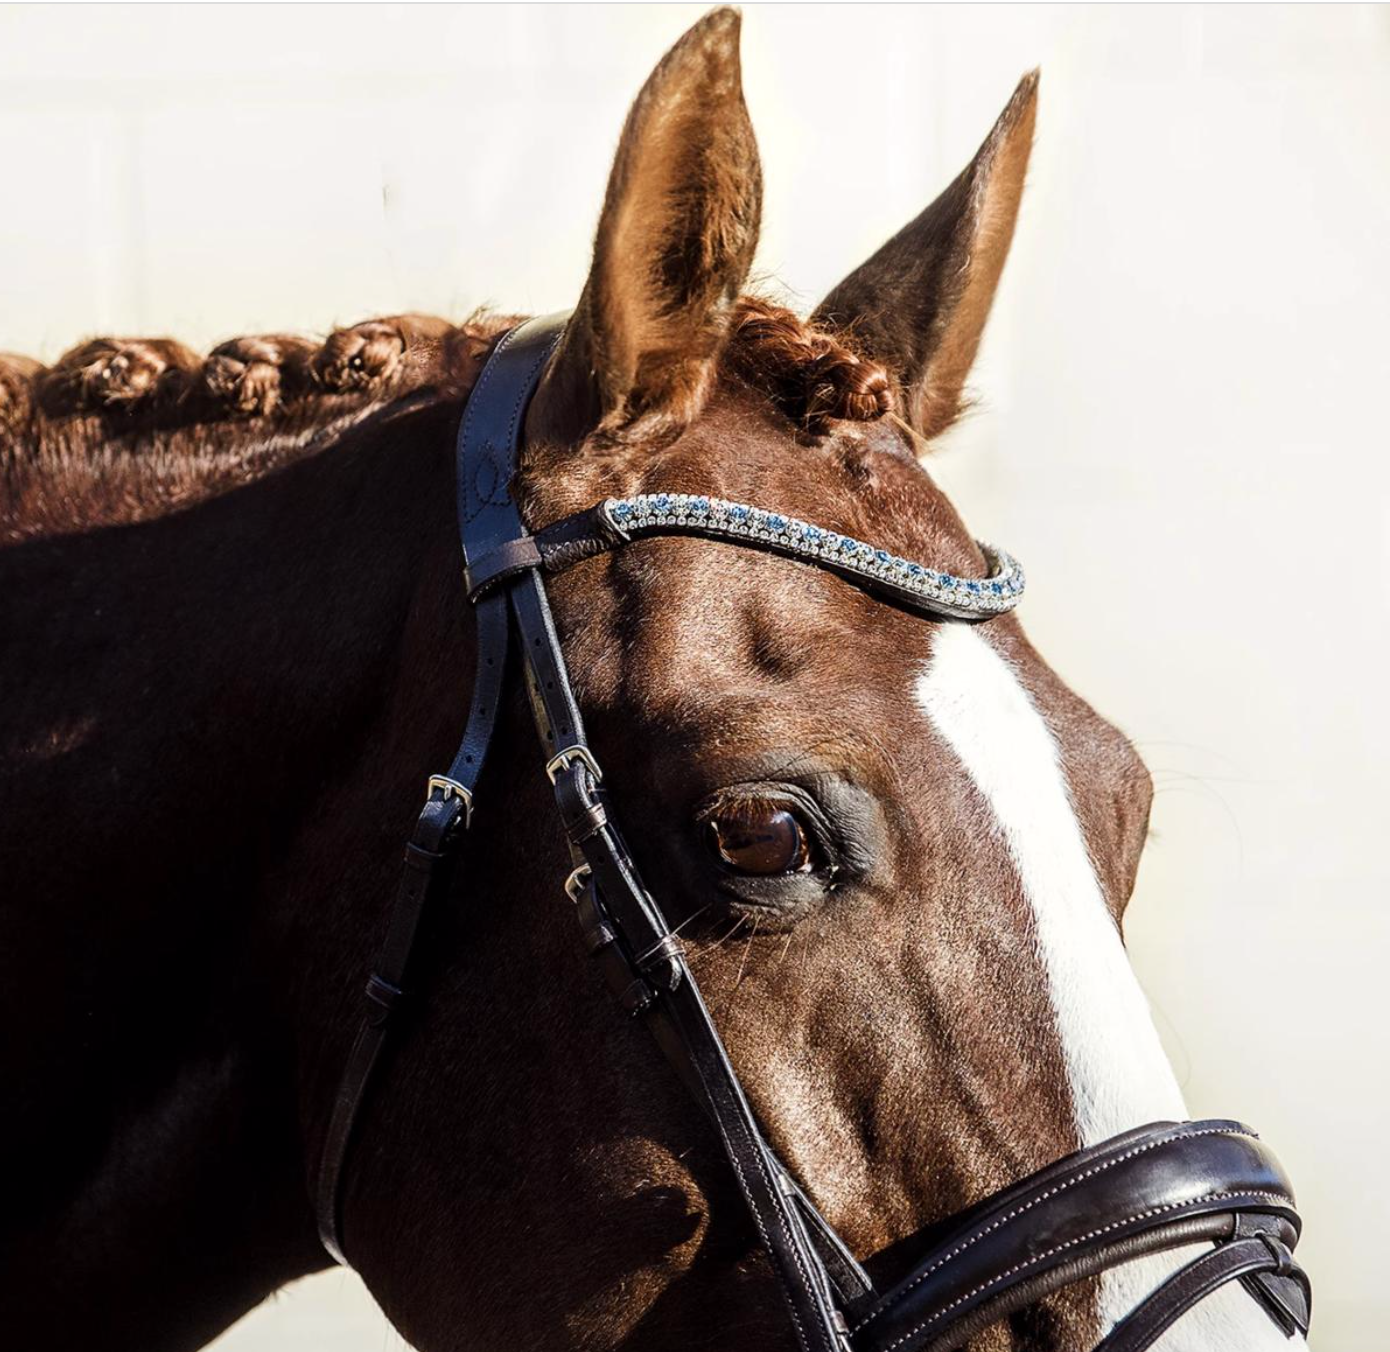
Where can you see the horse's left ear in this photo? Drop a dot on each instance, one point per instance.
(919, 305)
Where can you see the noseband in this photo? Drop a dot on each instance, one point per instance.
(1148, 1190)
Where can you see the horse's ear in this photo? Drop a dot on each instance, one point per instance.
(674, 245)
(919, 305)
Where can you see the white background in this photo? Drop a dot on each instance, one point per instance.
(1182, 429)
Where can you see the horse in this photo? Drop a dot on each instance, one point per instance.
(896, 852)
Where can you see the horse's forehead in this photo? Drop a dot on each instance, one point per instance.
(699, 633)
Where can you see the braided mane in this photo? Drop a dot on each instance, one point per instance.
(122, 429)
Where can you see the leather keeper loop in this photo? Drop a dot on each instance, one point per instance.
(418, 857)
(637, 997)
(581, 812)
(1279, 1252)
(506, 560)
(384, 996)
(598, 937)
(593, 924)
(661, 962)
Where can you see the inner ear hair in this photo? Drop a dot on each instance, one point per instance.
(674, 245)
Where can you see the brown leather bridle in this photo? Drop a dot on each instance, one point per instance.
(1148, 1190)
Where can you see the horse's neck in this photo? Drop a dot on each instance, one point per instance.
(189, 703)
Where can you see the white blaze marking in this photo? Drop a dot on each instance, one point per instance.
(1116, 1068)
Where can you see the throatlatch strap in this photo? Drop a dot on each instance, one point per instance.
(426, 873)
(485, 514)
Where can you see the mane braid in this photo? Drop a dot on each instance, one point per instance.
(124, 429)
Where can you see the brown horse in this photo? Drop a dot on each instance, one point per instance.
(234, 645)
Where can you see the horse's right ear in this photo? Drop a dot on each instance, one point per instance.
(674, 245)
(919, 305)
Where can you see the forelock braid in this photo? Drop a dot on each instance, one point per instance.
(812, 375)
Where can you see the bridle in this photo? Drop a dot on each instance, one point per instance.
(1148, 1190)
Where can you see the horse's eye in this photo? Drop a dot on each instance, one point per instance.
(759, 836)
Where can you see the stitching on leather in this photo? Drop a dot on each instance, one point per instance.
(1032, 1202)
(780, 1207)
(477, 502)
(476, 505)
(523, 393)
(762, 1227)
(1072, 1243)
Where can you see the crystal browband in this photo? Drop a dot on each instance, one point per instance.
(615, 522)
(968, 598)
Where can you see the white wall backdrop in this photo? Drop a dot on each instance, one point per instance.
(1182, 428)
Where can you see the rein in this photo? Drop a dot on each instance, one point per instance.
(1155, 1188)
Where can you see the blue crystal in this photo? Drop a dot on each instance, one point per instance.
(812, 533)
(702, 504)
(947, 581)
(777, 523)
(738, 513)
(916, 569)
(881, 555)
(622, 510)
(996, 589)
(662, 501)
(973, 587)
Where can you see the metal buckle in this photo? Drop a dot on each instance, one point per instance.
(451, 788)
(562, 760)
(577, 881)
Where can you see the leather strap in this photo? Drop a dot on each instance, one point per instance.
(423, 877)
(1244, 1259)
(647, 969)
(426, 874)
